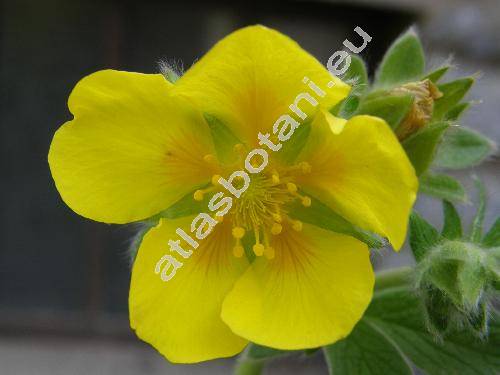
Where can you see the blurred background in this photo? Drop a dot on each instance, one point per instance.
(63, 279)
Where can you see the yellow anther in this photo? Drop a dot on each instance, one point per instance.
(292, 188)
(276, 228)
(238, 232)
(276, 179)
(297, 225)
(198, 195)
(220, 219)
(209, 158)
(238, 251)
(258, 249)
(306, 201)
(305, 167)
(215, 179)
(269, 252)
(277, 217)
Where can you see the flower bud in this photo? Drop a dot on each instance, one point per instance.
(457, 281)
(425, 93)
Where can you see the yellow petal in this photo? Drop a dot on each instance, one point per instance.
(131, 150)
(181, 317)
(311, 294)
(249, 79)
(362, 173)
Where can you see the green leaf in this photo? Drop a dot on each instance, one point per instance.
(477, 222)
(397, 313)
(421, 146)
(455, 112)
(403, 62)
(367, 351)
(324, 217)
(492, 238)
(223, 138)
(462, 148)
(393, 334)
(357, 73)
(442, 186)
(422, 236)
(393, 109)
(452, 227)
(436, 75)
(452, 92)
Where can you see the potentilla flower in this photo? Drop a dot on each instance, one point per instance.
(138, 144)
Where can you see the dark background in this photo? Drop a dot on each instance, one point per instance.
(64, 279)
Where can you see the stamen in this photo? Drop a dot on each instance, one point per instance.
(306, 201)
(297, 225)
(269, 252)
(292, 188)
(199, 194)
(303, 166)
(275, 177)
(258, 249)
(238, 251)
(238, 232)
(210, 158)
(215, 179)
(276, 228)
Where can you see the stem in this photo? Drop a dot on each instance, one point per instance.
(248, 367)
(393, 277)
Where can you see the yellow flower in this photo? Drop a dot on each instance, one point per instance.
(138, 144)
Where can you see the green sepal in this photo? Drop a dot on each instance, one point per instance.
(456, 111)
(452, 227)
(324, 217)
(442, 186)
(347, 107)
(403, 62)
(437, 74)
(393, 109)
(170, 71)
(492, 238)
(423, 236)
(141, 230)
(185, 206)
(357, 74)
(477, 222)
(223, 138)
(452, 92)
(421, 146)
(258, 352)
(462, 148)
(291, 148)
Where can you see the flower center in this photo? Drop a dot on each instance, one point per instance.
(262, 208)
